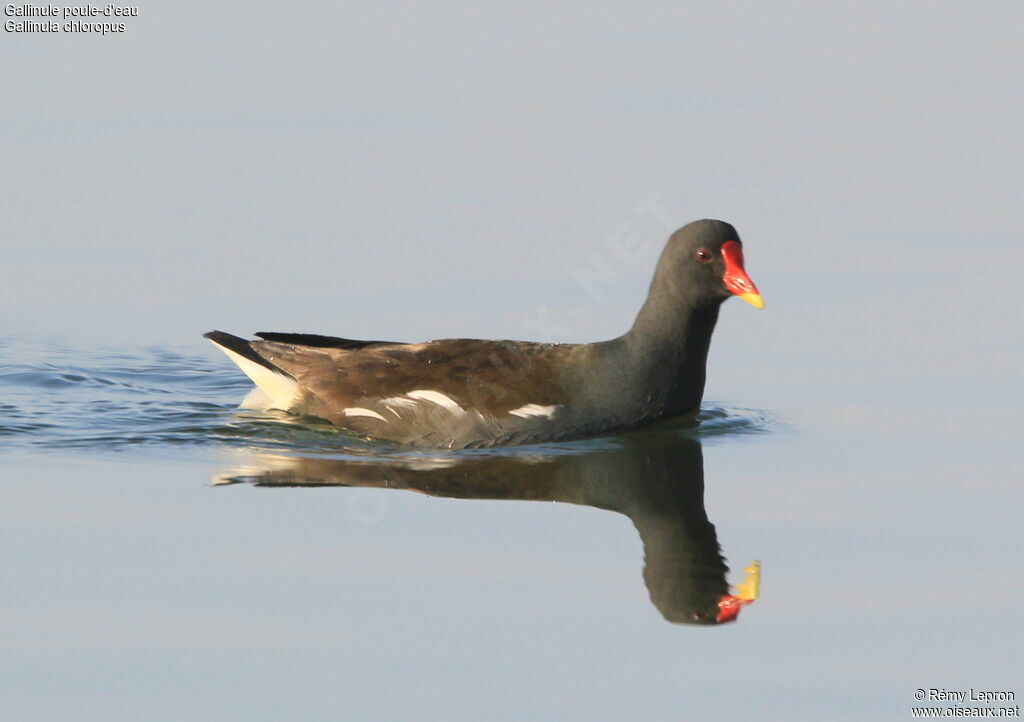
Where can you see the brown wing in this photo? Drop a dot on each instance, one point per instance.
(438, 393)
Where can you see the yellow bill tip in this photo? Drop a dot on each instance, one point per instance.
(754, 299)
(750, 587)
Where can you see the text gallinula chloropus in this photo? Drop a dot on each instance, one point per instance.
(458, 393)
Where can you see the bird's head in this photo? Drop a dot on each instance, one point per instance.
(703, 260)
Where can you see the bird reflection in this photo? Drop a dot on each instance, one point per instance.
(656, 478)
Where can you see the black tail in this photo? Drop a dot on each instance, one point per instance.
(318, 341)
(242, 347)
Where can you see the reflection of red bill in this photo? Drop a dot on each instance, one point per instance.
(746, 592)
(736, 278)
(729, 608)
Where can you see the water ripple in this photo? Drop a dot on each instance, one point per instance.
(104, 399)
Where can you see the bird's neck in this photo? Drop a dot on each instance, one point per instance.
(666, 352)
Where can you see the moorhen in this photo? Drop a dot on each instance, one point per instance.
(462, 393)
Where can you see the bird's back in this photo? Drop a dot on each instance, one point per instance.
(450, 393)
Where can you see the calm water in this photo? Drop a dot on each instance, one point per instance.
(169, 557)
(434, 170)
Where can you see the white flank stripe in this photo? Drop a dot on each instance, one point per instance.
(369, 413)
(429, 464)
(534, 410)
(399, 402)
(435, 397)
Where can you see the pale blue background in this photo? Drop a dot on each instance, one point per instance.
(415, 171)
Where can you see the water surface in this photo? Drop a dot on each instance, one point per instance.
(170, 557)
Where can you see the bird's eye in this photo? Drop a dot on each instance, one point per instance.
(703, 255)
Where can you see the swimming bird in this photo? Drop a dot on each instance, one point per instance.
(466, 393)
